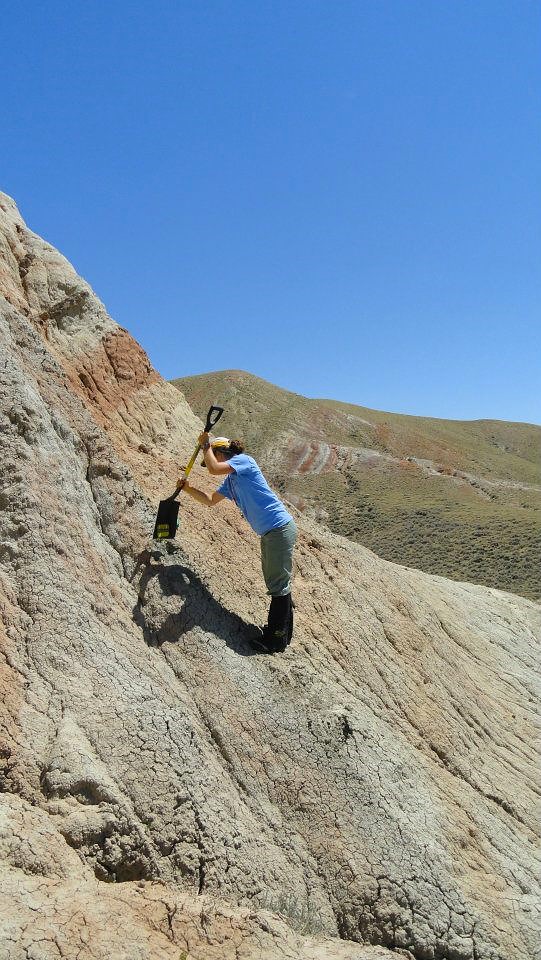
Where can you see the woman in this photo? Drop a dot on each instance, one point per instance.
(244, 483)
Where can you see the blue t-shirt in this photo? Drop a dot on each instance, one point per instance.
(256, 501)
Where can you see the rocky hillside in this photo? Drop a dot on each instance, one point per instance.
(166, 793)
(457, 498)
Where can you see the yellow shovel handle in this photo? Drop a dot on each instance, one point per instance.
(213, 416)
(192, 461)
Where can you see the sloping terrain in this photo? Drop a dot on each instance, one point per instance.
(167, 793)
(457, 498)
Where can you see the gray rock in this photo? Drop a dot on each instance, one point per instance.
(164, 789)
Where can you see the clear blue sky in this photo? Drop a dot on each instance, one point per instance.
(342, 197)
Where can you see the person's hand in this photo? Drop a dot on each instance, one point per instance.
(203, 439)
(182, 483)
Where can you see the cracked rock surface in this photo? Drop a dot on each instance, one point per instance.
(164, 790)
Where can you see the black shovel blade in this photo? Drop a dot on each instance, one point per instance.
(166, 524)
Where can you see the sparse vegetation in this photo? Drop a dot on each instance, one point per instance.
(303, 917)
(454, 520)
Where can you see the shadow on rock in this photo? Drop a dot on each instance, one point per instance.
(197, 608)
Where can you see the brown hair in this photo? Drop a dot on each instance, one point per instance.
(235, 447)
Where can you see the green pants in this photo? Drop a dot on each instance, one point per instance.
(277, 558)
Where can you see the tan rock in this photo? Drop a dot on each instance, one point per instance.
(165, 790)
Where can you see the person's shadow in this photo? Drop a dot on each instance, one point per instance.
(197, 607)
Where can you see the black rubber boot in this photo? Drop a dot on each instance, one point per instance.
(280, 624)
(290, 629)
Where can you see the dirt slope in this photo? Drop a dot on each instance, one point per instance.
(165, 792)
(458, 498)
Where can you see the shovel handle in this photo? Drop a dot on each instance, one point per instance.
(213, 416)
(192, 461)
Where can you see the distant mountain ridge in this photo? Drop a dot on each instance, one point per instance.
(457, 498)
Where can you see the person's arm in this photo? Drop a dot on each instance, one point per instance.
(214, 466)
(203, 497)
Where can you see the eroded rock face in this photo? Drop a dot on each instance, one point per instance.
(165, 789)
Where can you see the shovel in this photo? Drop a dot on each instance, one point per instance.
(166, 524)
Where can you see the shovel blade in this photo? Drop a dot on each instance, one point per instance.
(166, 524)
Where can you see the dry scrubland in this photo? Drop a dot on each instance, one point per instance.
(457, 498)
(167, 794)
